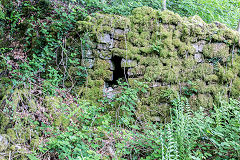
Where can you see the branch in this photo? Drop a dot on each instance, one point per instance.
(238, 28)
(164, 5)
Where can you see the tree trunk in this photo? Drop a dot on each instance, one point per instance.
(164, 5)
(238, 28)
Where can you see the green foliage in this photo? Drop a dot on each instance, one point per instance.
(158, 48)
(73, 144)
(223, 11)
(189, 89)
(79, 141)
(48, 45)
(189, 135)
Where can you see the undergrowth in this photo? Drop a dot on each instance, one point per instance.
(97, 133)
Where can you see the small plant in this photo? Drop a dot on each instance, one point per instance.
(189, 89)
(158, 47)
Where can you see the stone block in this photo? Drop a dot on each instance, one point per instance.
(106, 46)
(198, 57)
(102, 46)
(119, 34)
(131, 72)
(199, 46)
(119, 31)
(105, 38)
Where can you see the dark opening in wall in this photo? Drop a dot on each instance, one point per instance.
(118, 72)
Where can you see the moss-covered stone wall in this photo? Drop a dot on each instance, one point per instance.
(174, 55)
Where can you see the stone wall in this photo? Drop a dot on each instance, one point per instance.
(174, 55)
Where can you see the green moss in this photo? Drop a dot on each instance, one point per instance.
(176, 34)
(211, 78)
(143, 19)
(12, 134)
(120, 22)
(196, 20)
(146, 50)
(225, 75)
(145, 35)
(201, 100)
(212, 28)
(143, 15)
(236, 65)
(84, 26)
(218, 36)
(189, 62)
(149, 61)
(132, 81)
(177, 43)
(94, 90)
(184, 29)
(235, 90)
(219, 50)
(166, 34)
(52, 103)
(128, 63)
(143, 112)
(164, 53)
(145, 11)
(186, 49)
(4, 122)
(119, 52)
(171, 62)
(215, 89)
(153, 73)
(134, 51)
(101, 70)
(141, 42)
(169, 17)
(230, 34)
(202, 70)
(104, 19)
(200, 86)
(220, 25)
(35, 142)
(156, 103)
(124, 45)
(171, 75)
(95, 83)
(61, 121)
(103, 54)
(131, 36)
(155, 37)
(168, 43)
